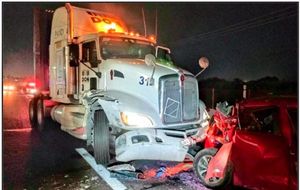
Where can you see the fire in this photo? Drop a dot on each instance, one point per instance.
(112, 27)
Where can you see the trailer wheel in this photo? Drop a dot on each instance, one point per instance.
(101, 138)
(200, 168)
(32, 112)
(40, 114)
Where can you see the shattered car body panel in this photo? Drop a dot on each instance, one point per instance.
(268, 165)
(217, 165)
(263, 152)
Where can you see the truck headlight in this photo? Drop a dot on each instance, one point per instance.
(135, 120)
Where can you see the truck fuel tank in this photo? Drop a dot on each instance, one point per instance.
(69, 116)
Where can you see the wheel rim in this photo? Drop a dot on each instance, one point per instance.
(202, 168)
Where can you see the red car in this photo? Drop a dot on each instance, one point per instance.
(255, 146)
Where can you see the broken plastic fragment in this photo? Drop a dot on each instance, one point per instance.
(122, 167)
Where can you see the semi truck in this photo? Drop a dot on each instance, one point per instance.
(116, 89)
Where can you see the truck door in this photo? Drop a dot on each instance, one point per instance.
(89, 57)
(260, 152)
(72, 71)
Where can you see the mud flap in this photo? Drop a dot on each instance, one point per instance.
(218, 164)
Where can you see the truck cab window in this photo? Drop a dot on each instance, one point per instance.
(74, 55)
(116, 47)
(89, 53)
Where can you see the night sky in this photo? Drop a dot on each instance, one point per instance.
(242, 40)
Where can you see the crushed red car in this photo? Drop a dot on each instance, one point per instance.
(252, 145)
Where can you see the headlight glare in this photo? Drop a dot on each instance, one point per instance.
(135, 120)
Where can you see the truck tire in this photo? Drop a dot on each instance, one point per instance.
(112, 146)
(200, 168)
(101, 138)
(40, 114)
(32, 112)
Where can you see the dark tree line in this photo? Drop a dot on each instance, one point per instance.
(214, 90)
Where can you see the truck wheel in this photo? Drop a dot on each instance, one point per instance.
(101, 138)
(40, 114)
(112, 146)
(200, 168)
(32, 113)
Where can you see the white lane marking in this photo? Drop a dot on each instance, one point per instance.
(18, 130)
(114, 183)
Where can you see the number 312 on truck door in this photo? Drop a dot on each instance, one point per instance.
(144, 81)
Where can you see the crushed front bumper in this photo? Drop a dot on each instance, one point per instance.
(153, 144)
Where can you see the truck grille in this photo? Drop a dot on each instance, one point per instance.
(178, 104)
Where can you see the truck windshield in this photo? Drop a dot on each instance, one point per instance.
(115, 47)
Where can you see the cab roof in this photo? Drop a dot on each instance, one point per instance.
(69, 22)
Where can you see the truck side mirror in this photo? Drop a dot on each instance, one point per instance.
(74, 55)
(162, 52)
(203, 63)
(150, 60)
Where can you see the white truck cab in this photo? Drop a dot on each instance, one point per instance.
(118, 90)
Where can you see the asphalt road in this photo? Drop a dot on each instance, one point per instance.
(48, 160)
